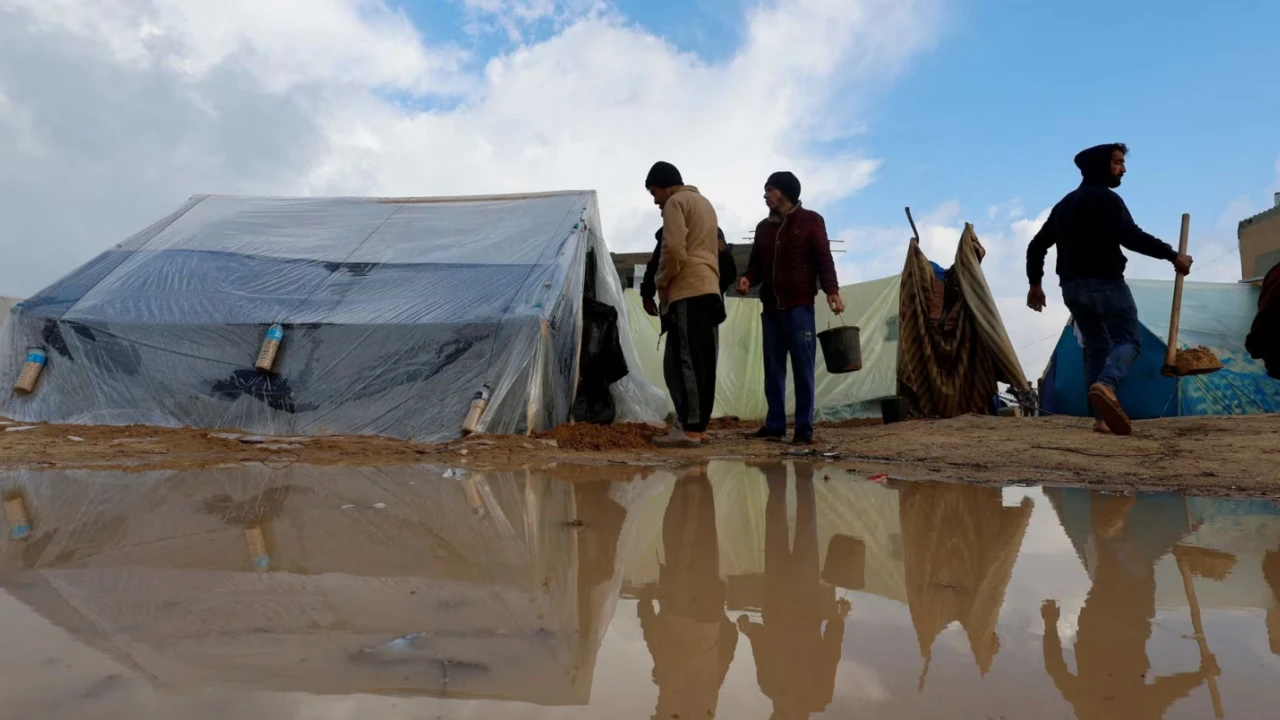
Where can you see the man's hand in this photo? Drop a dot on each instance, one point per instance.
(1209, 666)
(743, 286)
(1182, 264)
(1036, 299)
(650, 307)
(1049, 612)
(843, 607)
(835, 303)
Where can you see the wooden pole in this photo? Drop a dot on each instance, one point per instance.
(1188, 584)
(914, 233)
(1171, 352)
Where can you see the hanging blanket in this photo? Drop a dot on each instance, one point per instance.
(953, 347)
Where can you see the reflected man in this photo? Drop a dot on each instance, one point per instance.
(1121, 540)
(795, 658)
(691, 639)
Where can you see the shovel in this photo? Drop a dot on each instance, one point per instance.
(1185, 558)
(1193, 361)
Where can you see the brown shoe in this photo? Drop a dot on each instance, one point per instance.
(1103, 400)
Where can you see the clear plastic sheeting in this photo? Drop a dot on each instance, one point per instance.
(395, 313)
(872, 307)
(7, 304)
(403, 581)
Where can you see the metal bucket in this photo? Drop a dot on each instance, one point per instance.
(846, 564)
(893, 410)
(841, 349)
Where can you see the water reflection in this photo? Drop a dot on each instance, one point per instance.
(795, 655)
(1120, 539)
(596, 592)
(691, 640)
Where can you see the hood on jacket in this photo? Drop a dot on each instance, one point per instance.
(1095, 164)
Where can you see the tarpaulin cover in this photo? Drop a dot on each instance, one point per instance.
(953, 353)
(1215, 315)
(6, 308)
(395, 312)
(404, 581)
(872, 307)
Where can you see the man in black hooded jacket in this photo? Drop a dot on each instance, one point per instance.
(1089, 226)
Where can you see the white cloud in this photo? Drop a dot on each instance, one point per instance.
(516, 17)
(112, 112)
(282, 43)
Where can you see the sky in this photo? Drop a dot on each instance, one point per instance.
(113, 112)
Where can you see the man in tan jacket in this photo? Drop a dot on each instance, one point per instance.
(688, 285)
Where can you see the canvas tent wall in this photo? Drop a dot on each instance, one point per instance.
(980, 355)
(396, 311)
(872, 306)
(1215, 315)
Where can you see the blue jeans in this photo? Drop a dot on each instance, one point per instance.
(789, 333)
(1107, 318)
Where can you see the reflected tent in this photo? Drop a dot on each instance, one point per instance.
(456, 588)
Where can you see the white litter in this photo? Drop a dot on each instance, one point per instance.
(73, 438)
(347, 507)
(20, 428)
(380, 506)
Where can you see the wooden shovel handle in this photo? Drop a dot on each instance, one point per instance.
(1189, 587)
(1171, 353)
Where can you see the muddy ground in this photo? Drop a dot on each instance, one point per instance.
(1238, 456)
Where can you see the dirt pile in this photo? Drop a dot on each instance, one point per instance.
(1196, 361)
(591, 438)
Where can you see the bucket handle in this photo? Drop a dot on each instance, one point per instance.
(842, 320)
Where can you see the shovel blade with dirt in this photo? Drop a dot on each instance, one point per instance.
(1192, 361)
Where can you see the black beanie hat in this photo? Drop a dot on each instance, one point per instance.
(663, 175)
(785, 183)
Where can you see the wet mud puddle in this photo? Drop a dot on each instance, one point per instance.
(777, 590)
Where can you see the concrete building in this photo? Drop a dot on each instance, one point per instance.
(1259, 243)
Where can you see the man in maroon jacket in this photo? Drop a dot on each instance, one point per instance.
(790, 260)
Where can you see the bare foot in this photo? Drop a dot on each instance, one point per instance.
(1101, 427)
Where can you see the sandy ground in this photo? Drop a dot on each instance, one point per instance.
(1221, 456)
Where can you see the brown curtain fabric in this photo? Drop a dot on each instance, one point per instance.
(953, 347)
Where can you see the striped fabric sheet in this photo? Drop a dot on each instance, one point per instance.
(951, 357)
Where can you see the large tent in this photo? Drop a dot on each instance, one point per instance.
(873, 307)
(1215, 315)
(955, 350)
(395, 313)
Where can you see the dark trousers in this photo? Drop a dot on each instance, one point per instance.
(689, 365)
(789, 333)
(1107, 317)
